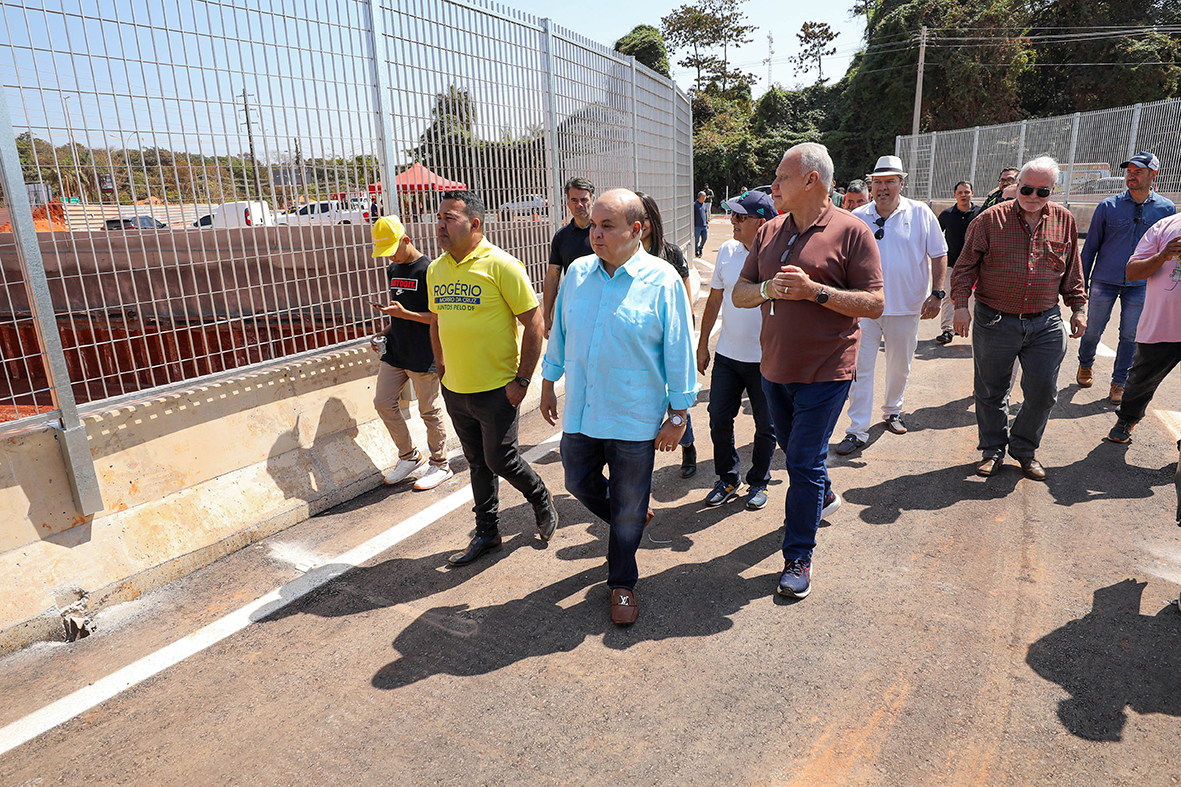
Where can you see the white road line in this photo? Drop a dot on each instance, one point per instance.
(1103, 351)
(1172, 421)
(45, 719)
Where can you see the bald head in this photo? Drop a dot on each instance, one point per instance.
(617, 221)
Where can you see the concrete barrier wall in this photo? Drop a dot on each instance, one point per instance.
(187, 478)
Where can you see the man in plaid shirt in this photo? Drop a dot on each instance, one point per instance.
(1020, 256)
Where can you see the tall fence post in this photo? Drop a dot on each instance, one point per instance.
(72, 441)
(385, 110)
(1134, 131)
(551, 127)
(975, 151)
(931, 167)
(1070, 158)
(635, 129)
(898, 145)
(1020, 147)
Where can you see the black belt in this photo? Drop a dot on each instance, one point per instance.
(1026, 315)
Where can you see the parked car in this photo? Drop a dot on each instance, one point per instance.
(238, 214)
(327, 211)
(135, 223)
(528, 205)
(1111, 185)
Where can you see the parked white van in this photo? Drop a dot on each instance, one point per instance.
(327, 211)
(238, 214)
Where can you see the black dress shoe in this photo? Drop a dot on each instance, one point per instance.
(478, 546)
(688, 461)
(547, 517)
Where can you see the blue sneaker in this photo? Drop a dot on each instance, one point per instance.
(796, 580)
(723, 493)
(756, 498)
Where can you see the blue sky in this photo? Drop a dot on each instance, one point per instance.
(606, 21)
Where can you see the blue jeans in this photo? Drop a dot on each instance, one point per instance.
(621, 501)
(1040, 344)
(699, 235)
(1100, 302)
(730, 378)
(804, 415)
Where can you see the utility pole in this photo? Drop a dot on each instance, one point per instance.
(250, 137)
(918, 88)
(770, 53)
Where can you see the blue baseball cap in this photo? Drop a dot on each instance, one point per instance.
(1143, 159)
(753, 203)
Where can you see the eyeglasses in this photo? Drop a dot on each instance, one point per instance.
(881, 233)
(738, 218)
(1042, 192)
(1138, 213)
(786, 256)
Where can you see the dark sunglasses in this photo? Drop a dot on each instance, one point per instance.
(1042, 192)
(881, 233)
(1138, 213)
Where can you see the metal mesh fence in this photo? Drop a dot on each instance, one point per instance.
(1089, 147)
(203, 174)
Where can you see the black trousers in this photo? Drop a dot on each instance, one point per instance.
(1150, 366)
(486, 424)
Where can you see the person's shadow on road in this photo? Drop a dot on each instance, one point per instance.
(458, 640)
(932, 491)
(1111, 659)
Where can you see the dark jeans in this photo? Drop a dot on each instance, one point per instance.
(1039, 344)
(700, 234)
(486, 425)
(804, 415)
(621, 501)
(1150, 366)
(1100, 302)
(730, 378)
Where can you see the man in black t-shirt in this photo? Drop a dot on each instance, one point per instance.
(954, 221)
(408, 356)
(570, 242)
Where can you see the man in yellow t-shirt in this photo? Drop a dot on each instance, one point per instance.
(478, 295)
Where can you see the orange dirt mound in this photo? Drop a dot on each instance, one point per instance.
(47, 218)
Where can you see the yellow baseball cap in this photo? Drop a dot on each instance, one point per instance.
(387, 234)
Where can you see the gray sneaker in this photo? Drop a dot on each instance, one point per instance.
(722, 493)
(756, 498)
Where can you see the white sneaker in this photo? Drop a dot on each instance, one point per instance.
(404, 468)
(432, 478)
(831, 506)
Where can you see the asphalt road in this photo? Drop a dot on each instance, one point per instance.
(961, 631)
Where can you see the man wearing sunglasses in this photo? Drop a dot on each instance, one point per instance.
(914, 266)
(813, 271)
(1020, 256)
(1117, 226)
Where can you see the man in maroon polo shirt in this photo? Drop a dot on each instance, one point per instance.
(1020, 255)
(814, 272)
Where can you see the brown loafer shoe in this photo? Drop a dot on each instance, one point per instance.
(1117, 394)
(1033, 469)
(624, 609)
(1084, 378)
(989, 465)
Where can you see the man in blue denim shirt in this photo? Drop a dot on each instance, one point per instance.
(1117, 226)
(623, 337)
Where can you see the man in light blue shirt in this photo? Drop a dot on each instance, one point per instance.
(623, 337)
(1116, 227)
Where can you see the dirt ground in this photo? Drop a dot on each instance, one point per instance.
(961, 631)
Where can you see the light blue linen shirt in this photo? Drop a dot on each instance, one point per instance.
(625, 344)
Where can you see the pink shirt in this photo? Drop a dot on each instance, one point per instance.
(1161, 319)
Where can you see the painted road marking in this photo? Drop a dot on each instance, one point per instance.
(100, 691)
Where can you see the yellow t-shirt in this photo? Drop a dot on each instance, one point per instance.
(477, 301)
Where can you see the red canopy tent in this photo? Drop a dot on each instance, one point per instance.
(419, 178)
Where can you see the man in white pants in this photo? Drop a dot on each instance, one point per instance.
(911, 243)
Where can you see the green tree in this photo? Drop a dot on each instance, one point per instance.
(707, 31)
(814, 38)
(647, 46)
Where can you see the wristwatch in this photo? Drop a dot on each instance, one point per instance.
(940, 294)
(822, 296)
(676, 419)
(522, 381)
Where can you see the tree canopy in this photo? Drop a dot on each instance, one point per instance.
(646, 45)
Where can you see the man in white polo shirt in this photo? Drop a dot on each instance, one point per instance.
(911, 243)
(736, 364)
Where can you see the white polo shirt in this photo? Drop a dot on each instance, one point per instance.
(739, 338)
(912, 236)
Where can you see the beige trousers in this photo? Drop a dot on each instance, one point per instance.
(390, 381)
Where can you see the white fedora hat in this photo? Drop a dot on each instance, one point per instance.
(887, 165)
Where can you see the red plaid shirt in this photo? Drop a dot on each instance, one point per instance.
(1017, 271)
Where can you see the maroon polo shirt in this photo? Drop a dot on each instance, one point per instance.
(804, 342)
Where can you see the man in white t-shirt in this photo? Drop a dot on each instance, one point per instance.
(911, 243)
(736, 364)
(1158, 334)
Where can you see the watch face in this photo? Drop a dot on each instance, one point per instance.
(822, 296)
(676, 419)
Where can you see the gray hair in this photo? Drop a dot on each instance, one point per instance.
(1040, 164)
(857, 187)
(814, 158)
